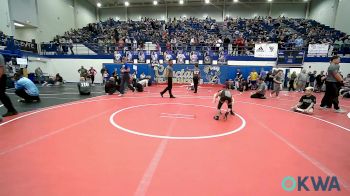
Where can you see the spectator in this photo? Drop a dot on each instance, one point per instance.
(26, 89)
(105, 77)
(277, 83)
(83, 72)
(269, 79)
(301, 80)
(84, 87)
(92, 73)
(320, 78)
(312, 78)
(253, 78)
(111, 87)
(102, 71)
(293, 76)
(58, 80)
(39, 75)
(260, 93)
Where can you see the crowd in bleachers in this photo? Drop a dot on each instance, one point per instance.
(202, 34)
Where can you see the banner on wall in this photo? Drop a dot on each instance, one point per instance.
(266, 50)
(318, 49)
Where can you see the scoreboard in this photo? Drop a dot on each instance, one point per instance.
(289, 58)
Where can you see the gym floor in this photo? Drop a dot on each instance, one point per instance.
(142, 144)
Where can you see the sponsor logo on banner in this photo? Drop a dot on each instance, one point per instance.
(211, 74)
(266, 50)
(318, 48)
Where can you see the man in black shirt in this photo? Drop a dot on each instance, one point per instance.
(306, 103)
(3, 97)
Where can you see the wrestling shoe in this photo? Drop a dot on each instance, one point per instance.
(10, 114)
(339, 111)
(225, 116)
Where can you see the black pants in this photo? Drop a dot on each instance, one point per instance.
(223, 100)
(126, 79)
(81, 93)
(257, 96)
(92, 78)
(3, 97)
(291, 85)
(331, 95)
(28, 98)
(169, 87)
(7, 102)
(195, 82)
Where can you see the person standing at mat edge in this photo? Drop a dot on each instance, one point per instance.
(125, 72)
(3, 96)
(333, 83)
(169, 74)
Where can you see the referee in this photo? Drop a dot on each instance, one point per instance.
(333, 83)
(169, 75)
(196, 77)
(125, 72)
(3, 97)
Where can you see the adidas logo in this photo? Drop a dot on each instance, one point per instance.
(261, 49)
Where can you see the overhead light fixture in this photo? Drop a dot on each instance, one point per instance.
(207, 1)
(126, 3)
(235, 1)
(269, 0)
(18, 24)
(155, 2)
(99, 4)
(306, 0)
(181, 2)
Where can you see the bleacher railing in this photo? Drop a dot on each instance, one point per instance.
(227, 49)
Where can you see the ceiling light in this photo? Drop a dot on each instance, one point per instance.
(181, 2)
(269, 0)
(18, 24)
(155, 2)
(126, 3)
(99, 4)
(207, 1)
(235, 1)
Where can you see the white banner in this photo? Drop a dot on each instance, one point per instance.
(318, 48)
(266, 50)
